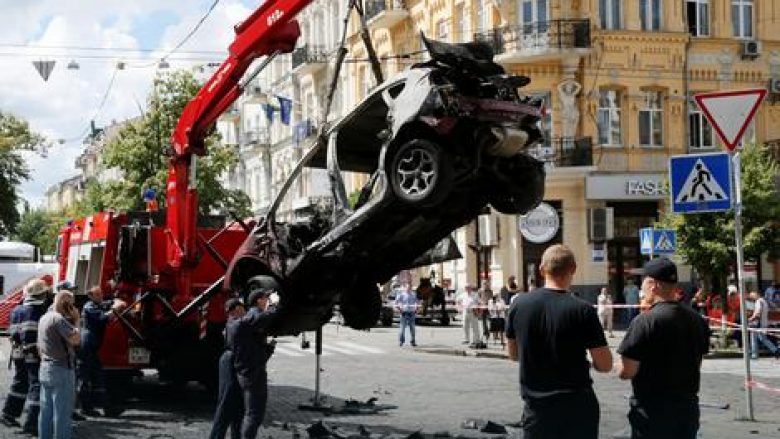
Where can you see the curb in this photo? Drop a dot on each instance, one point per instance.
(465, 353)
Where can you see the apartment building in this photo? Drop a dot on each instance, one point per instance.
(617, 78)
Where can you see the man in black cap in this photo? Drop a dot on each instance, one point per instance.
(230, 404)
(661, 354)
(246, 338)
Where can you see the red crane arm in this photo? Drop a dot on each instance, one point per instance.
(271, 28)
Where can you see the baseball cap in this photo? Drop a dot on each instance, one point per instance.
(232, 303)
(660, 269)
(261, 286)
(65, 285)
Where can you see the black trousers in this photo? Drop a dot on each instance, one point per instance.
(572, 415)
(230, 402)
(255, 395)
(14, 402)
(664, 419)
(91, 381)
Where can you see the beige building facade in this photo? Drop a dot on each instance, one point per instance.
(617, 78)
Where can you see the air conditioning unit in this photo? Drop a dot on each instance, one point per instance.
(774, 85)
(601, 224)
(751, 49)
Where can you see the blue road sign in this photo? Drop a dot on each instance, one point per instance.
(700, 183)
(657, 241)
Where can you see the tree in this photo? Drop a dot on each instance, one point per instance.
(40, 228)
(141, 152)
(15, 137)
(706, 240)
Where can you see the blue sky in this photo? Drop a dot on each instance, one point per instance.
(61, 107)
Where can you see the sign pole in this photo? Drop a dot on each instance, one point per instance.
(737, 175)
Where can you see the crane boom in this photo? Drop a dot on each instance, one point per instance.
(272, 28)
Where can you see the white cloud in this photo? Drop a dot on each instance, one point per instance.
(62, 107)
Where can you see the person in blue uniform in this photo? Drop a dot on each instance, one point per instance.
(246, 338)
(230, 404)
(92, 387)
(17, 394)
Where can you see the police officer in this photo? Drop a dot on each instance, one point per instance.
(17, 394)
(27, 315)
(92, 389)
(661, 354)
(246, 339)
(230, 403)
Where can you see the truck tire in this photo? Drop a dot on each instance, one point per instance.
(361, 305)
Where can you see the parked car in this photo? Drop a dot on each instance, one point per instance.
(440, 141)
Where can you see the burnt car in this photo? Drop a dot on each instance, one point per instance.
(441, 141)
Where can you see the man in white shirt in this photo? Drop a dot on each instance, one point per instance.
(760, 317)
(469, 305)
(406, 303)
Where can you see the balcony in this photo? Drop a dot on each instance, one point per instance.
(384, 13)
(538, 41)
(565, 151)
(309, 59)
(252, 139)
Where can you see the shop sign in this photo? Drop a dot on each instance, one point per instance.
(539, 225)
(626, 187)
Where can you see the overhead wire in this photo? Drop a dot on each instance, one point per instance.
(99, 108)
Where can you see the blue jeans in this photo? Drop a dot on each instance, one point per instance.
(760, 337)
(407, 319)
(58, 392)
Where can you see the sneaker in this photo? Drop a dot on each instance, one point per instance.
(414, 344)
(9, 421)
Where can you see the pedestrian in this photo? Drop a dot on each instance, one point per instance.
(772, 295)
(661, 354)
(230, 405)
(631, 294)
(485, 295)
(497, 311)
(604, 309)
(406, 304)
(91, 380)
(25, 358)
(549, 332)
(246, 337)
(58, 336)
(759, 321)
(470, 309)
(509, 290)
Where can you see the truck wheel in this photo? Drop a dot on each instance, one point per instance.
(420, 173)
(360, 305)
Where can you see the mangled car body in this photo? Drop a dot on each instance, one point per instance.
(441, 141)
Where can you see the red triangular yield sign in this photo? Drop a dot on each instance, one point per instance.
(730, 112)
(44, 68)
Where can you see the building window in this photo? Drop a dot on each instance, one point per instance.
(699, 128)
(460, 14)
(609, 118)
(651, 115)
(441, 29)
(742, 18)
(698, 15)
(610, 14)
(650, 14)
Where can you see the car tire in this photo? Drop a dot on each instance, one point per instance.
(361, 305)
(420, 173)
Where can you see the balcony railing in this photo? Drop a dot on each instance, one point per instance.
(254, 137)
(565, 151)
(394, 10)
(309, 54)
(538, 37)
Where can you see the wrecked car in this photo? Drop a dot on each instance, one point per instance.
(441, 141)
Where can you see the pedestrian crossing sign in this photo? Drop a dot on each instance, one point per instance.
(700, 183)
(657, 241)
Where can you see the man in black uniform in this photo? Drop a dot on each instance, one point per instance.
(230, 404)
(246, 338)
(661, 354)
(550, 332)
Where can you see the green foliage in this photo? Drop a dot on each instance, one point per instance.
(706, 240)
(140, 151)
(15, 136)
(40, 228)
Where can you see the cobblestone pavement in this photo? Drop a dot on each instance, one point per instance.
(419, 391)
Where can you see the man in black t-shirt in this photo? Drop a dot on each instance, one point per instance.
(661, 355)
(549, 332)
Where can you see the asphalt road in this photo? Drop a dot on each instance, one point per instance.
(414, 391)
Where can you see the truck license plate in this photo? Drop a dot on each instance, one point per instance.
(138, 356)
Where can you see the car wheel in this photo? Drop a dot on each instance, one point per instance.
(361, 305)
(420, 172)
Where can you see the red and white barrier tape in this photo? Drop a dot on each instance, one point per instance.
(767, 330)
(756, 385)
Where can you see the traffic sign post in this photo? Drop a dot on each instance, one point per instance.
(730, 113)
(700, 183)
(657, 241)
